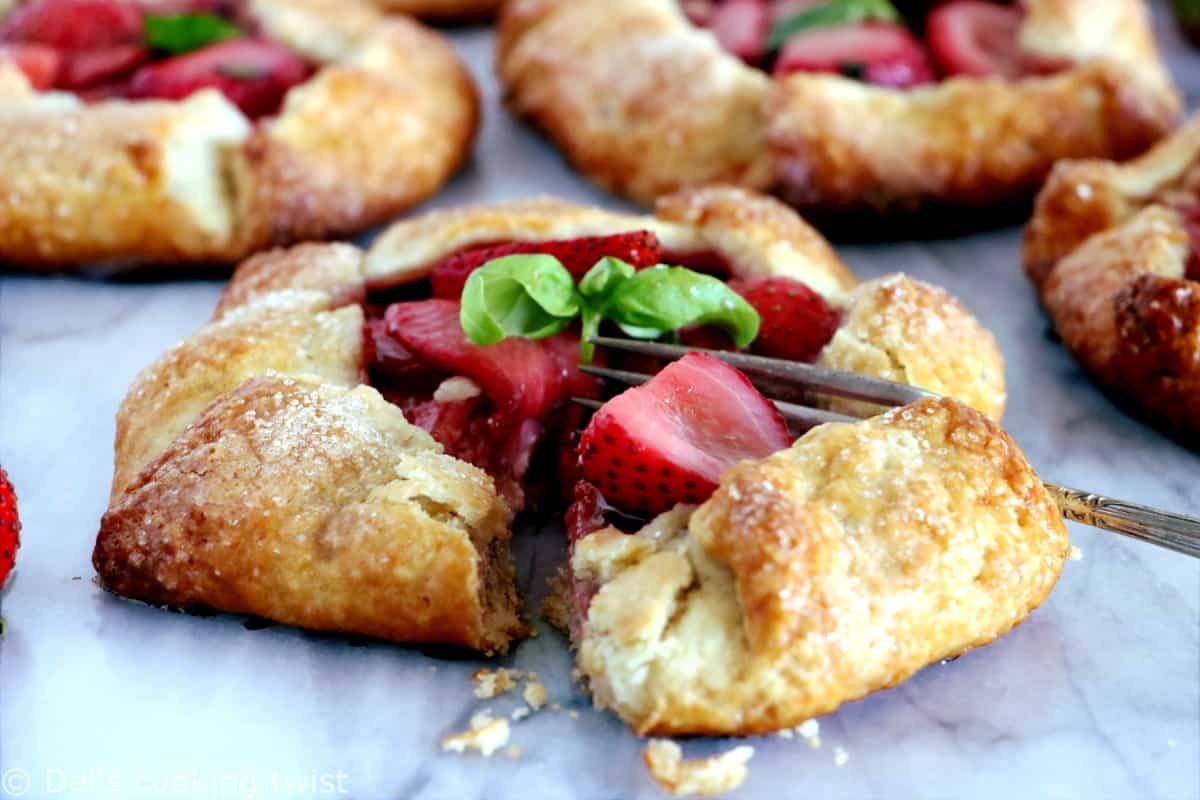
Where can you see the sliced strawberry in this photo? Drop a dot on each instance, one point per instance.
(699, 12)
(39, 63)
(90, 68)
(742, 27)
(669, 440)
(639, 248)
(74, 25)
(522, 377)
(253, 73)
(393, 365)
(878, 52)
(796, 321)
(973, 37)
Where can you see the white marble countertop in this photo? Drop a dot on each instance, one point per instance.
(1096, 696)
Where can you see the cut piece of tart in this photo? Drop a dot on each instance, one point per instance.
(800, 577)
(843, 108)
(201, 131)
(340, 421)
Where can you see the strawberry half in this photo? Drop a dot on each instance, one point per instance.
(39, 63)
(880, 53)
(973, 37)
(522, 377)
(796, 321)
(91, 68)
(74, 25)
(10, 527)
(253, 73)
(668, 440)
(639, 248)
(742, 27)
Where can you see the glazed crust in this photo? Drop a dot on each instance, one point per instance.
(380, 126)
(209, 435)
(820, 574)
(1109, 254)
(692, 114)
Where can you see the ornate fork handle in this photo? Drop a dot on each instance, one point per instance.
(1173, 531)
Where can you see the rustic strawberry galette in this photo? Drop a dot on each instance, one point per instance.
(1114, 251)
(838, 106)
(201, 131)
(345, 445)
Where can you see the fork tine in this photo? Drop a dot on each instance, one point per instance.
(820, 379)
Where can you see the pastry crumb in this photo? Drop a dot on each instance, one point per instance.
(840, 756)
(555, 707)
(573, 714)
(512, 752)
(577, 675)
(704, 776)
(1076, 554)
(489, 684)
(534, 693)
(807, 730)
(520, 713)
(486, 734)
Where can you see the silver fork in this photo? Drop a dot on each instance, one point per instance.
(1174, 531)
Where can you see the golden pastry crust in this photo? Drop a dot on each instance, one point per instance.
(692, 114)
(317, 505)
(820, 574)
(382, 124)
(1109, 253)
(454, 11)
(297, 314)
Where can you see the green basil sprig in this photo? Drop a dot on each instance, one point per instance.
(183, 33)
(831, 13)
(534, 296)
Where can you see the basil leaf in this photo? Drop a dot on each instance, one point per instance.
(531, 296)
(182, 33)
(596, 287)
(834, 12)
(659, 301)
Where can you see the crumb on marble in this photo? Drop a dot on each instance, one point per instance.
(512, 752)
(489, 684)
(840, 756)
(573, 714)
(534, 693)
(1076, 554)
(487, 734)
(704, 776)
(520, 713)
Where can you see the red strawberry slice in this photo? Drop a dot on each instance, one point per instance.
(522, 377)
(253, 73)
(796, 321)
(973, 37)
(90, 68)
(639, 248)
(669, 440)
(74, 25)
(10, 527)
(393, 365)
(698, 12)
(878, 52)
(39, 63)
(742, 26)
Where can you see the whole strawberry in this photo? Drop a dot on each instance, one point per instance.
(10, 527)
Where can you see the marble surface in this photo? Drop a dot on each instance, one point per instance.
(1096, 696)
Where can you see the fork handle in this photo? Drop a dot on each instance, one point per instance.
(1173, 531)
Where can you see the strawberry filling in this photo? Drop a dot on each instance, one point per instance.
(507, 407)
(961, 37)
(103, 49)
